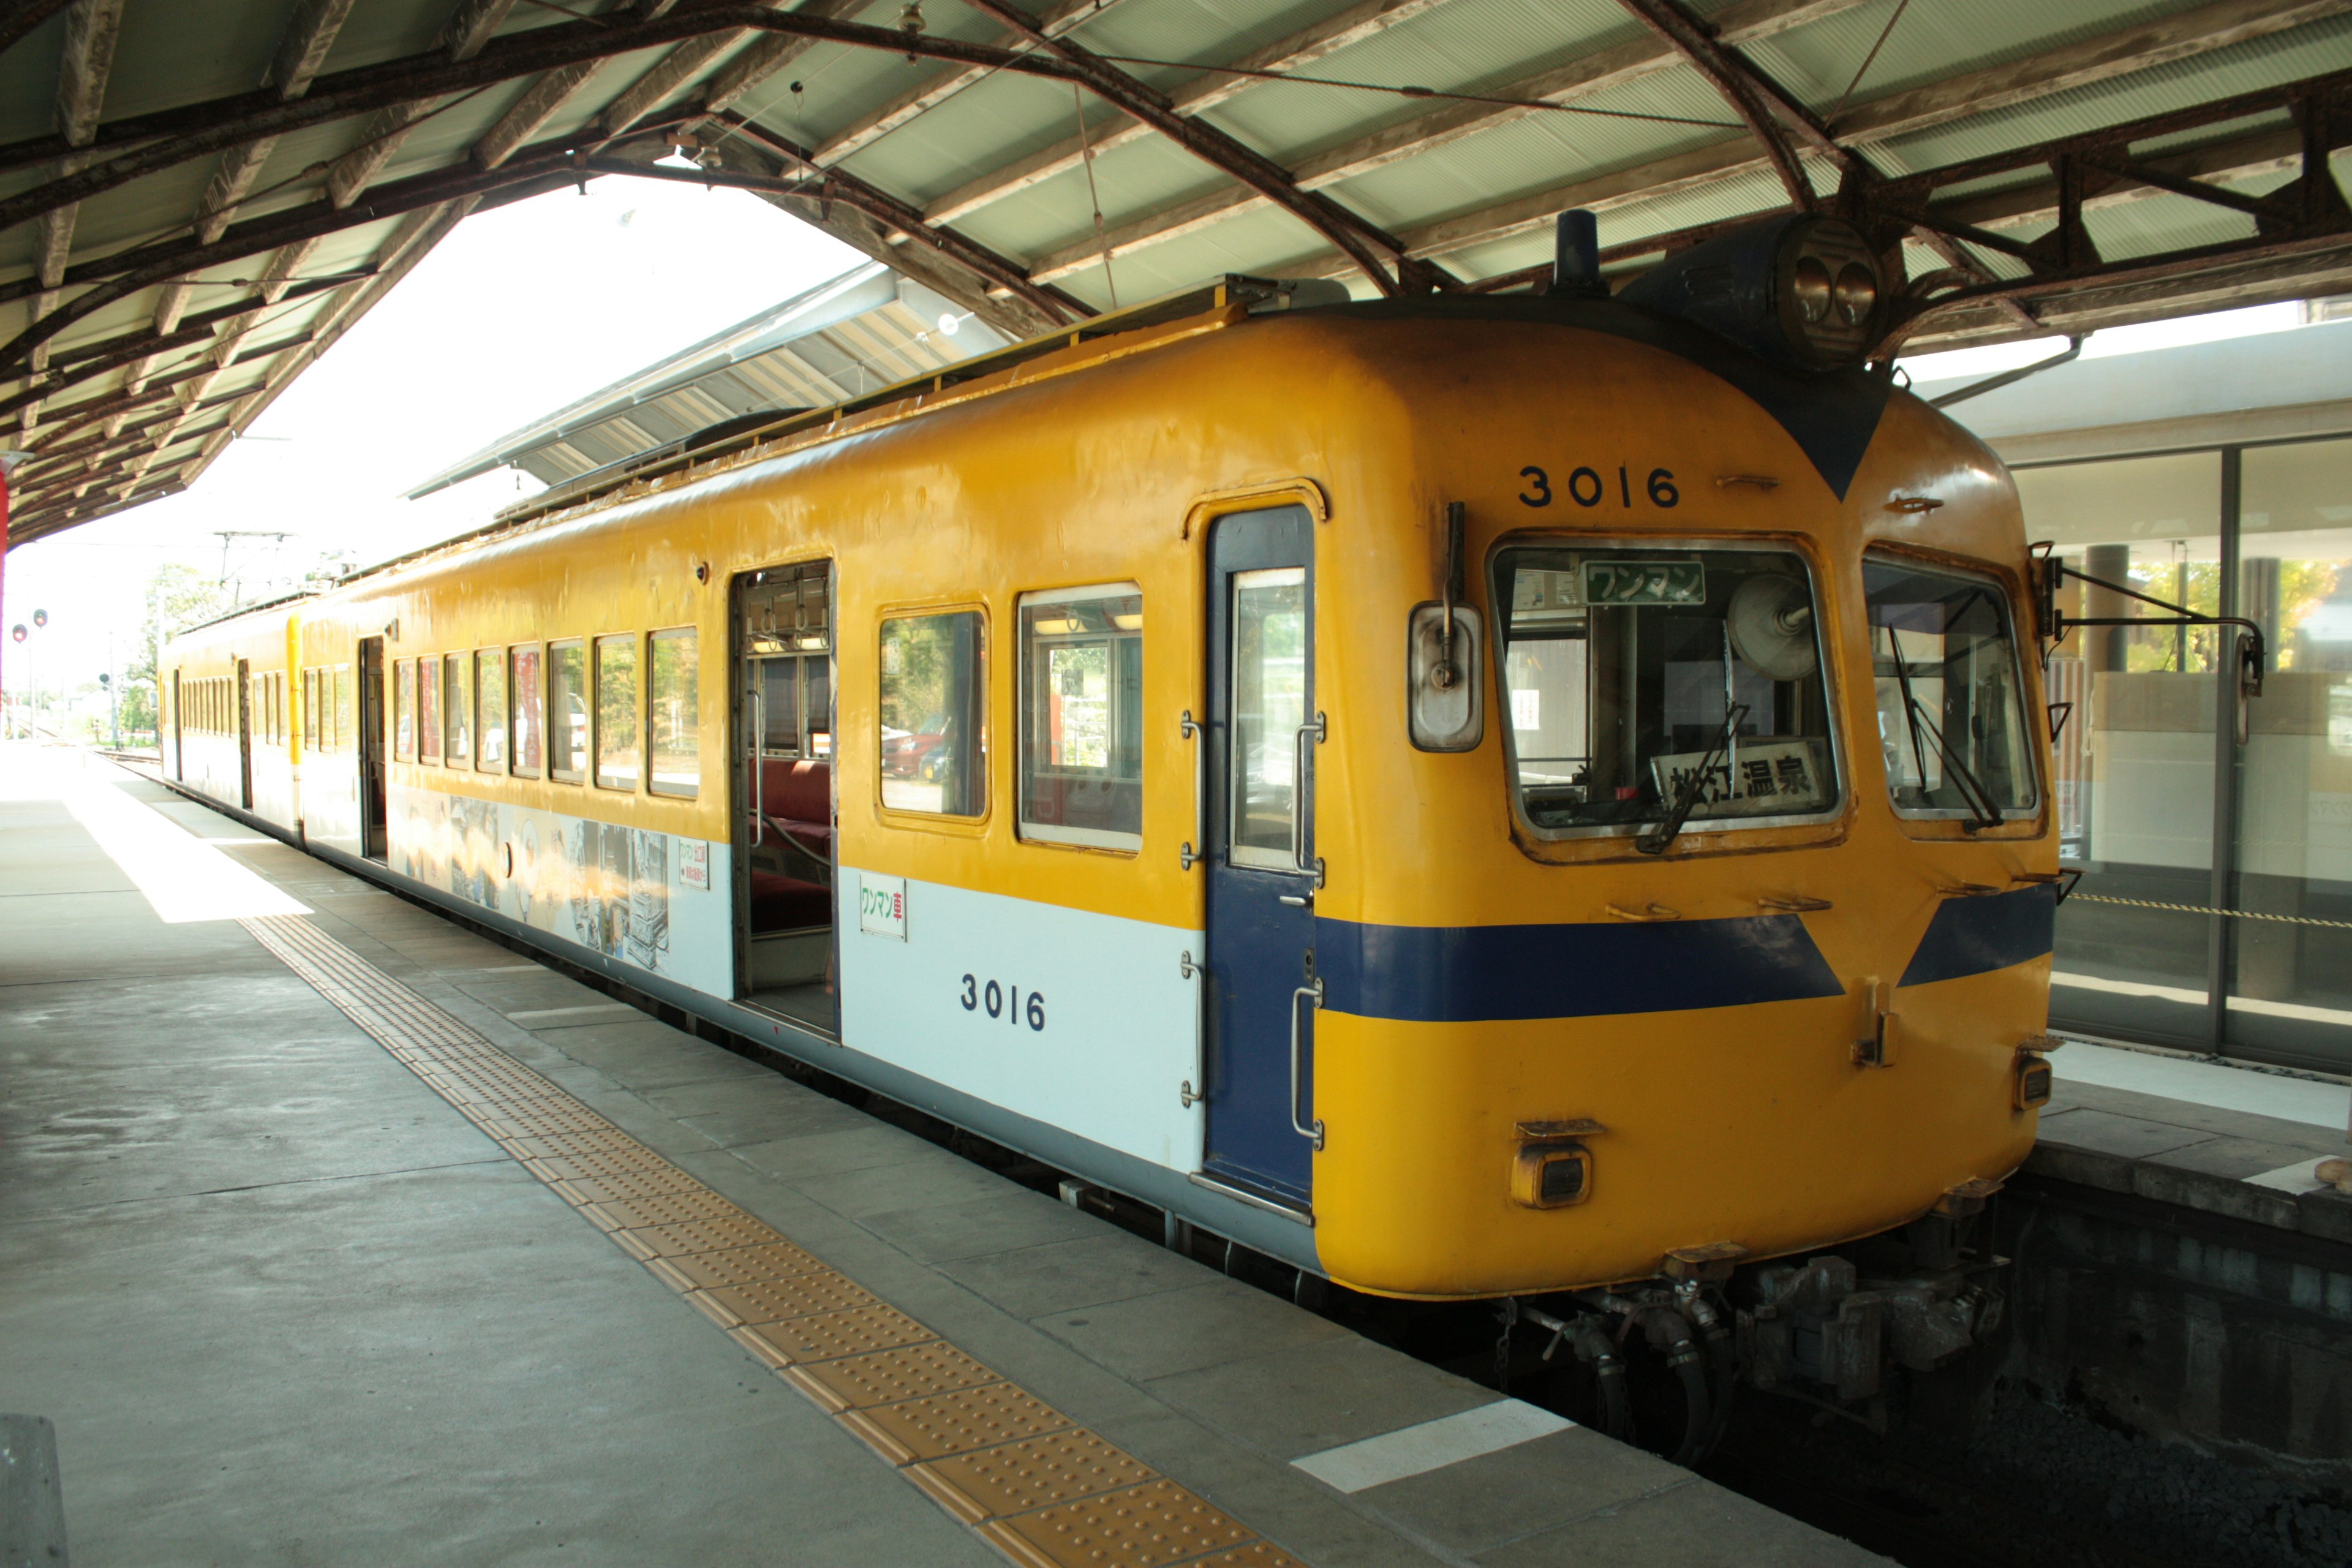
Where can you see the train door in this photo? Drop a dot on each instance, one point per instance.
(245, 734)
(785, 859)
(372, 729)
(1263, 874)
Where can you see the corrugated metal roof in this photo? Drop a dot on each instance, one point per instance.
(965, 175)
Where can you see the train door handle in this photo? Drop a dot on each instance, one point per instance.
(1317, 729)
(1303, 1128)
(1195, 732)
(759, 773)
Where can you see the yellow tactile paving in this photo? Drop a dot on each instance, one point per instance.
(885, 1377)
(1045, 1493)
(1034, 1473)
(1141, 1526)
(735, 1266)
(954, 1422)
(775, 1301)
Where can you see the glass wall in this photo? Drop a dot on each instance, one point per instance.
(2161, 923)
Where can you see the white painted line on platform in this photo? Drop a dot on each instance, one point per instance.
(2295, 1178)
(2224, 1088)
(2303, 1011)
(1432, 1446)
(540, 1014)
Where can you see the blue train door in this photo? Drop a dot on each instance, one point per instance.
(1263, 731)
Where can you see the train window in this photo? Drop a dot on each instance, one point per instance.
(457, 709)
(567, 700)
(491, 709)
(1269, 705)
(404, 707)
(341, 708)
(615, 734)
(529, 704)
(935, 713)
(428, 710)
(1082, 717)
(311, 709)
(673, 713)
(1951, 709)
(1642, 680)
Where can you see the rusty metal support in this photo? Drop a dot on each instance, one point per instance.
(18, 17)
(1778, 121)
(1363, 242)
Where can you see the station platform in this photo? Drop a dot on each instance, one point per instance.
(332, 1233)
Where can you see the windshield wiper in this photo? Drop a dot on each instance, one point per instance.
(1973, 794)
(1661, 837)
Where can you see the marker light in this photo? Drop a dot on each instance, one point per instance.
(1799, 289)
(1857, 295)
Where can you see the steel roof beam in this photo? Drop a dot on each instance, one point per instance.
(460, 38)
(18, 17)
(1364, 242)
(1779, 122)
(83, 65)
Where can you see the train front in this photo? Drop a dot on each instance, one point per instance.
(1693, 873)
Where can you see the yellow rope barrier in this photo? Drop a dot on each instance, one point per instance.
(2201, 910)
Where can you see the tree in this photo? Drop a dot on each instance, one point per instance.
(188, 597)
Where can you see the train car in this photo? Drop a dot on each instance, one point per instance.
(1512, 796)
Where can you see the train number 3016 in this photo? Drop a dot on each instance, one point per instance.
(1586, 488)
(1005, 1002)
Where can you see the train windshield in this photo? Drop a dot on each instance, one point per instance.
(1951, 710)
(1643, 681)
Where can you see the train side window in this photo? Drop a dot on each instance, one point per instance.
(404, 708)
(528, 700)
(491, 709)
(428, 710)
(615, 733)
(567, 732)
(457, 709)
(1640, 679)
(1951, 704)
(934, 713)
(342, 708)
(673, 714)
(311, 709)
(1081, 773)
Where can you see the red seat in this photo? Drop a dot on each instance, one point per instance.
(798, 799)
(787, 903)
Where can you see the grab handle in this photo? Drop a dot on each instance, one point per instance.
(1315, 1132)
(1194, 731)
(759, 773)
(1318, 731)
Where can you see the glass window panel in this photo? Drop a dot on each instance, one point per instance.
(1082, 717)
(343, 708)
(457, 709)
(2133, 780)
(780, 689)
(616, 711)
(530, 712)
(2291, 989)
(428, 709)
(567, 699)
(1268, 703)
(674, 716)
(934, 714)
(490, 708)
(1637, 675)
(1952, 725)
(816, 677)
(404, 707)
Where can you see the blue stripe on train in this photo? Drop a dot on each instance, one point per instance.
(1460, 974)
(1976, 936)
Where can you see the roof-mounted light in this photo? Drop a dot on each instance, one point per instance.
(1799, 289)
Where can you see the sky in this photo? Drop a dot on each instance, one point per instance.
(521, 310)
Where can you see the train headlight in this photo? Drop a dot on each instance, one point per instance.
(1800, 288)
(1857, 295)
(1808, 280)
(1553, 1169)
(1828, 283)
(2032, 1081)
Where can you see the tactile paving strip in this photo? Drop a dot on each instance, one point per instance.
(1046, 1493)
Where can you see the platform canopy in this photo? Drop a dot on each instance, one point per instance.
(197, 197)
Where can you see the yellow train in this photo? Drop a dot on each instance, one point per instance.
(1469, 796)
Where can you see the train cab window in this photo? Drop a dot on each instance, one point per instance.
(341, 709)
(491, 709)
(935, 714)
(529, 701)
(1082, 717)
(1639, 677)
(567, 700)
(404, 708)
(673, 713)
(615, 734)
(457, 709)
(1951, 709)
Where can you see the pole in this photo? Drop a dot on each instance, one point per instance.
(2226, 759)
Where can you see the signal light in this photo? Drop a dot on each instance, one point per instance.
(2034, 1081)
